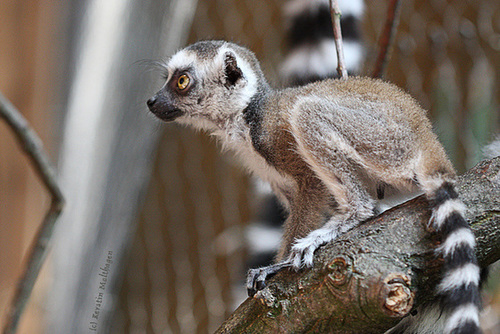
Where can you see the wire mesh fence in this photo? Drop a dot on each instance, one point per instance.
(189, 249)
(180, 274)
(447, 55)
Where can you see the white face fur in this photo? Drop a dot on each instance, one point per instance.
(207, 84)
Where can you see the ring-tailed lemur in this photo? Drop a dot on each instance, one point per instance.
(326, 149)
(308, 58)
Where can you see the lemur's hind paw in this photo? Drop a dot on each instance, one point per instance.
(302, 253)
(256, 278)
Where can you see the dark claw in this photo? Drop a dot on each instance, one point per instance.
(251, 292)
(256, 278)
(252, 275)
(260, 285)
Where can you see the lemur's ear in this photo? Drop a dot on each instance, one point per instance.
(231, 70)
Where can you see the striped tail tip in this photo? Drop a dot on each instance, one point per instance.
(459, 287)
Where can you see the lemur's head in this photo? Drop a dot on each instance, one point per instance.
(207, 84)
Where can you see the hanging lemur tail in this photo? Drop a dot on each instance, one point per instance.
(311, 47)
(459, 287)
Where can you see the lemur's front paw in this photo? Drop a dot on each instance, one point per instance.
(302, 252)
(301, 255)
(256, 278)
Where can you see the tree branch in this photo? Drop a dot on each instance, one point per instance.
(387, 38)
(32, 145)
(337, 35)
(372, 276)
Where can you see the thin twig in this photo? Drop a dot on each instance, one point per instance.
(32, 145)
(387, 38)
(337, 35)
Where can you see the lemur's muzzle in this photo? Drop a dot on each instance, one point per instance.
(162, 107)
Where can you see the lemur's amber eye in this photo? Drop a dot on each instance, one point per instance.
(182, 82)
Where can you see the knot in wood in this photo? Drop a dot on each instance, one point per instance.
(397, 296)
(339, 272)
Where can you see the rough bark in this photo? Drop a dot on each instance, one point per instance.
(371, 277)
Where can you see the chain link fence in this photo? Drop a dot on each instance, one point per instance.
(189, 249)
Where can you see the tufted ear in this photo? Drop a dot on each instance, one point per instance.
(232, 72)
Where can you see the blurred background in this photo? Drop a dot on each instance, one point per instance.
(152, 239)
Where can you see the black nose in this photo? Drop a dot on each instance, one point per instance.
(151, 101)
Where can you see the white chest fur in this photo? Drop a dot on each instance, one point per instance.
(237, 139)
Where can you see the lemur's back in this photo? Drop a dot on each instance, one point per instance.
(372, 96)
(384, 130)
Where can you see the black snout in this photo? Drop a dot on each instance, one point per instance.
(163, 108)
